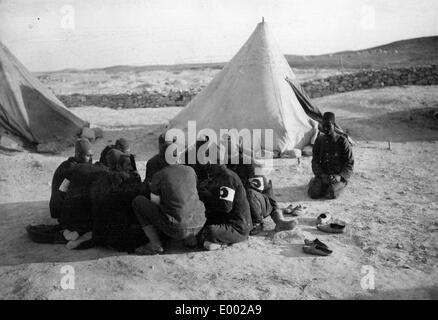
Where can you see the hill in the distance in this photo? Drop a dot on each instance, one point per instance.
(404, 53)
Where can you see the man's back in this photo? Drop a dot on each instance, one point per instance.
(229, 203)
(176, 186)
(154, 164)
(57, 196)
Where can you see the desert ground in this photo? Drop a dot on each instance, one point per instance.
(390, 206)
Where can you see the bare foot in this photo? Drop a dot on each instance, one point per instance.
(75, 243)
(285, 225)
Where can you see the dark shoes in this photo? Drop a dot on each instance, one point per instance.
(334, 227)
(323, 218)
(42, 233)
(316, 247)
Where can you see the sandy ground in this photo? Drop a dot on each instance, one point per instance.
(391, 207)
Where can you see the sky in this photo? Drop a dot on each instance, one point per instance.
(51, 35)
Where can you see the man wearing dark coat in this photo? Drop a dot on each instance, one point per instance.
(122, 145)
(227, 208)
(157, 162)
(83, 154)
(332, 162)
(260, 194)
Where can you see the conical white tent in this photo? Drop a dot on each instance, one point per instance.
(28, 110)
(251, 92)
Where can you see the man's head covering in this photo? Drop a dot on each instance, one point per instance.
(83, 147)
(163, 144)
(123, 145)
(329, 116)
(117, 159)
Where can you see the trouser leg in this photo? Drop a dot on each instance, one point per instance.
(257, 205)
(335, 190)
(222, 233)
(317, 188)
(144, 210)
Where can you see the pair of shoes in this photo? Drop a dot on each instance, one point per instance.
(325, 223)
(308, 242)
(295, 211)
(52, 234)
(337, 226)
(149, 249)
(316, 247)
(323, 218)
(212, 246)
(258, 227)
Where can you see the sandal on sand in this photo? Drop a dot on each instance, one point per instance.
(335, 227)
(317, 250)
(211, 246)
(147, 249)
(323, 218)
(46, 234)
(315, 242)
(294, 211)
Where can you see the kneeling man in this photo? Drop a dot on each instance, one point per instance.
(332, 161)
(174, 209)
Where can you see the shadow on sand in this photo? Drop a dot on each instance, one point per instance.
(17, 248)
(399, 126)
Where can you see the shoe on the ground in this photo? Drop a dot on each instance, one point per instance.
(294, 211)
(211, 246)
(46, 234)
(323, 218)
(308, 242)
(334, 227)
(317, 250)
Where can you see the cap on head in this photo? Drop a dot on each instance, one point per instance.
(122, 144)
(83, 147)
(116, 158)
(329, 117)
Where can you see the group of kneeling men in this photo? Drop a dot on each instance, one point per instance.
(207, 205)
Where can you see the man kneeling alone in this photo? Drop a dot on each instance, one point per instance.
(332, 161)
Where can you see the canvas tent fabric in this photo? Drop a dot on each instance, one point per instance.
(251, 92)
(28, 110)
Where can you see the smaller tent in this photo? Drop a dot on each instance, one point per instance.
(29, 111)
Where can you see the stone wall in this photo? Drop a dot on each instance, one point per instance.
(366, 79)
(131, 100)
